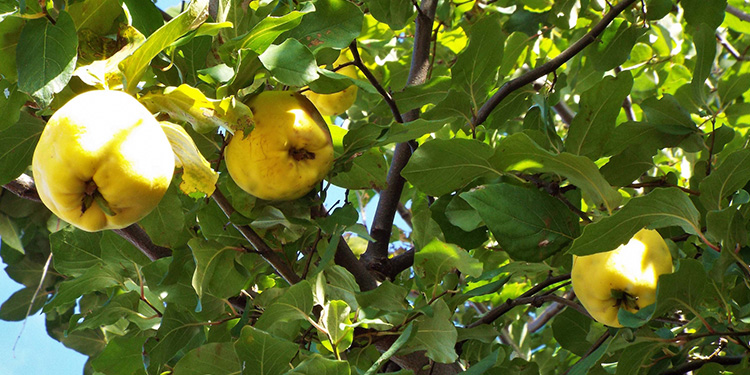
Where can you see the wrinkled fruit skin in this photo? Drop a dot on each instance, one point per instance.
(338, 102)
(632, 268)
(102, 143)
(288, 152)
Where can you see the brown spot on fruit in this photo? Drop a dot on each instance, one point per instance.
(301, 154)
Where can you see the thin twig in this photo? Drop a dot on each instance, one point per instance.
(484, 112)
(275, 260)
(738, 13)
(599, 342)
(694, 365)
(374, 81)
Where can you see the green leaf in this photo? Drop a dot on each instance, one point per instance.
(727, 226)
(519, 153)
(668, 115)
(476, 66)
(126, 305)
(395, 13)
(95, 15)
(263, 354)
(146, 16)
(437, 259)
(439, 166)
(725, 180)
(97, 278)
(48, 57)
(436, 334)
(165, 224)
(10, 234)
(215, 269)
(515, 45)
(591, 128)
(291, 63)
(10, 31)
(295, 304)
(16, 308)
(122, 355)
(570, 328)
(335, 319)
(614, 48)
(683, 289)
(635, 357)
(177, 330)
(705, 47)
(317, 365)
(11, 102)
(17, 144)
(117, 250)
(660, 208)
(211, 358)
(136, 64)
(262, 35)
(386, 297)
(399, 133)
(75, 251)
(528, 224)
(732, 88)
(333, 24)
(710, 13)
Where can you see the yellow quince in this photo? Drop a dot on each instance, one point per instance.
(102, 162)
(625, 277)
(287, 153)
(338, 102)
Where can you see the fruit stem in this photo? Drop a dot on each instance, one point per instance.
(91, 195)
(624, 299)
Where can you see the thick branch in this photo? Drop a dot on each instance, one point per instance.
(140, 239)
(694, 365)
(550, 66)
(265, 251)
(345, 258)
(23, 187)
(738, 13)
(377, 251)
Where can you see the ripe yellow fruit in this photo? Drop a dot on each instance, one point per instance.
(624, 277)
(338, 102)
(287, 154)
(102, 161)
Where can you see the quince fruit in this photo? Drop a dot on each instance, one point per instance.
(103, 161)
(338, 102)
(625, 277)
(287, 153)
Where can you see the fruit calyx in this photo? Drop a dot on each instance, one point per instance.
(301, 154)
(91, 195)
(625, 300)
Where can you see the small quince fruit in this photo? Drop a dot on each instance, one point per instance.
(103, 161)
(338, 102)
(287, 153)
(625, 277)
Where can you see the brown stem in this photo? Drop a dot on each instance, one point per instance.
(596, 345)
(23, 187)
(484, 112)
(738, 13)
(374, 81)
(377, 250)
(275, 260)
(694, 365)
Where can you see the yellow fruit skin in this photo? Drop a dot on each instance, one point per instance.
(336, 103)
(632, 268)
(109, 138)
(287, 128)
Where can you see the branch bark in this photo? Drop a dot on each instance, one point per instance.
(738, 13)
(377, 250)
(527, 78)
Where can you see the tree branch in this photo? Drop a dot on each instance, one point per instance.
(694, 365)
(523, 299)
(738, 13)
(484, 112)
(23, 187)
(265, 251)
(377, 251)
(549, 313)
